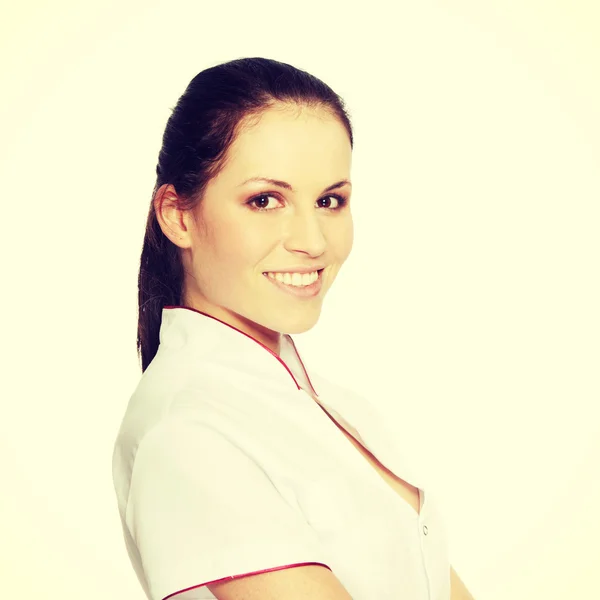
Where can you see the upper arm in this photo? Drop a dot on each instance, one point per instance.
(201, 510)
(458, 590)
(296, 583)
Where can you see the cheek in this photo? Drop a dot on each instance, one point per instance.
(341, 240)
(216, 254)
(238, 245)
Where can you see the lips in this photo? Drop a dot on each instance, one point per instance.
(300, 291)
(301, 270)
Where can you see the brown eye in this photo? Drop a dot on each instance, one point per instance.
(261, 202)
(339, 199)
(325, 199)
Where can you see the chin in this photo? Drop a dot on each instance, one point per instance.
(300, 324)
(299, 329)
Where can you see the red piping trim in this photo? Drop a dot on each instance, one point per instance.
(303, 367)
(232, 577)
(248, 336)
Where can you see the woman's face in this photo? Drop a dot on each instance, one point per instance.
(243, 229)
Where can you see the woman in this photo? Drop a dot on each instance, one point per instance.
(234, 463)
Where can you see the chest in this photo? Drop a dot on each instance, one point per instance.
(328, 474)
(405, 491)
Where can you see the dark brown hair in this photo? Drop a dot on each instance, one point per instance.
(200, 130)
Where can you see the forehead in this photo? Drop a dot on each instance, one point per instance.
(293, 143)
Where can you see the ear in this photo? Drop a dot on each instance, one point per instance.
(174, 221)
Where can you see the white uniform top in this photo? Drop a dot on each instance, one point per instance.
(225, 465)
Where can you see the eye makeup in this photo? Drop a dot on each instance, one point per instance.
(342, 201)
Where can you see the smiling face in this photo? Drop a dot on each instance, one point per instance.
(243, 229)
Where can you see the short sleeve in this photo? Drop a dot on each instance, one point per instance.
(200, 509)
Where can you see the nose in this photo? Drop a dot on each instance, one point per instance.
(305, 234)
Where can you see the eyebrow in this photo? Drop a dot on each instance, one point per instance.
(287, 186)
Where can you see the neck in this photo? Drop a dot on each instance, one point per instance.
(267, 337)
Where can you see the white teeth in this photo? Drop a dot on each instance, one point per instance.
(295, 279)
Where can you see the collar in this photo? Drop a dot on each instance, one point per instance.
(205, 337)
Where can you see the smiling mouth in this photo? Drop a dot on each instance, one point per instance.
(295, 280)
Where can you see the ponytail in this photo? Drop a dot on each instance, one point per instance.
(160, 284)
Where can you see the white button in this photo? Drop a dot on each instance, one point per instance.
(425, 529)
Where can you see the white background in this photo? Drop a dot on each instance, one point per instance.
(468, 310)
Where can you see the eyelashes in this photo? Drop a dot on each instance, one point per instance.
(342, 201)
